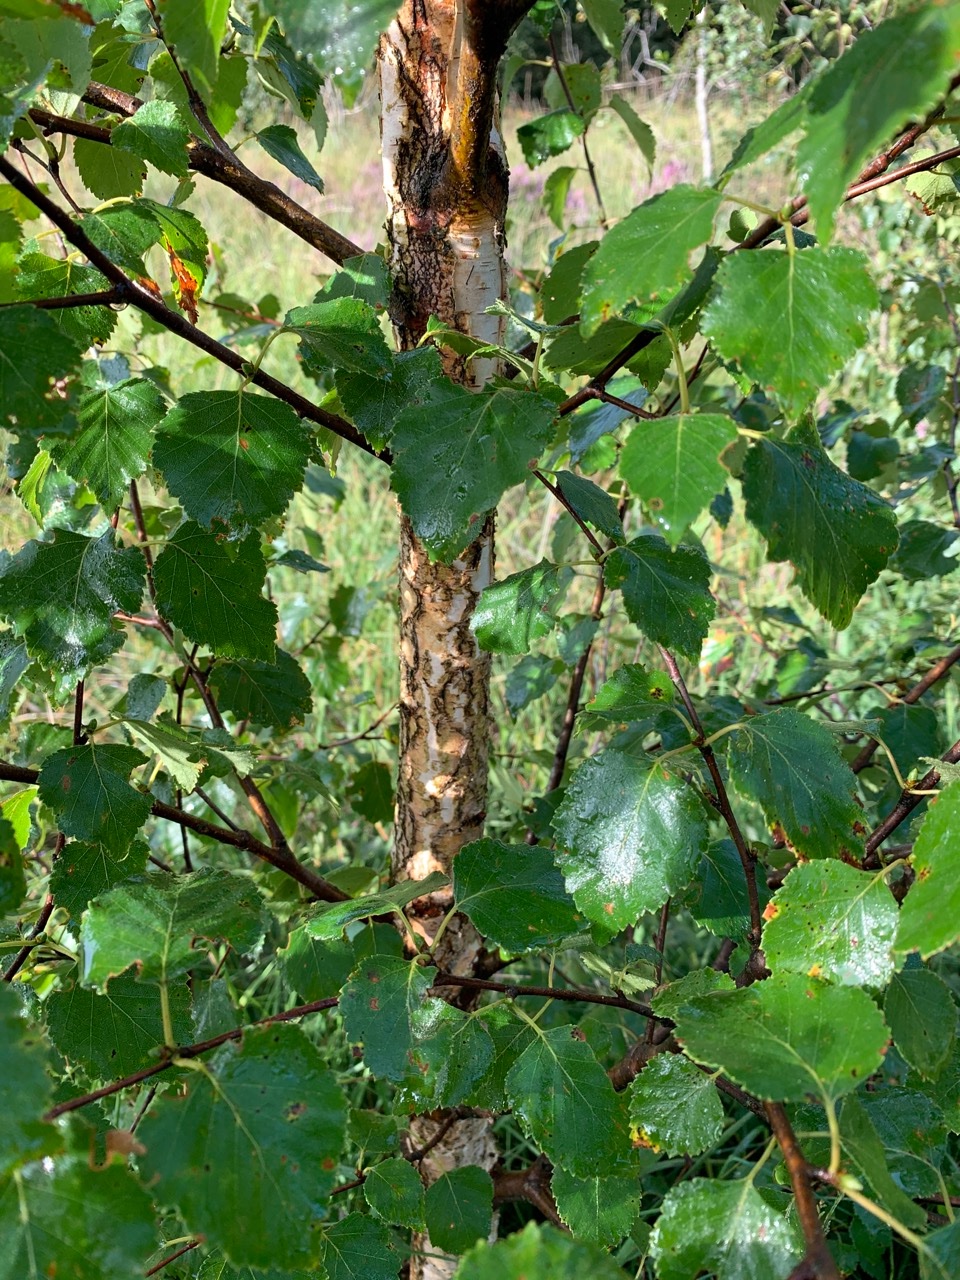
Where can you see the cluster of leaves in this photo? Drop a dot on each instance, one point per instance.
(209, 1070)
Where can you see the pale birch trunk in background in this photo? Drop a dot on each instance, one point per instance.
(445, 180)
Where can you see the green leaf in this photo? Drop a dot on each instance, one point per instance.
(675, 996)
(922, 551)
(124, 232)
(837, 533)
(316, 970)
(357, 1248)
(717, 896)
(61, 597)
(596, 1209)
(342, 333)
(725, 1228)
(211, 590)
(631, 693)
(108, 172)
(250, 1141)
(33, 354)
(913, 1134)
(75, 1221)
(832, 921)
(394, 1192)
(365, 277)
(639, 130)
(85, 871)
(375, 401)
(233, 459)
(157, 133)
(13, 882)
(112, 445)
(791, 766)
(930, 915)
(153, 922)
(377, 1005)
(459, 1206)
(894, 74)
(665, 593)
(514, 613)
(450, 1053)
(43, 277)
(118, 1032)
(648, 253)
(556, 188)
(196, 31)
(275, 695)
(515, 895)
(633, 833)
(371, 792)
(863, 1148)
(565, 1102)
(87, 788)
(591, 503)
(549, 135)
(538, 1252)
(457, 453)
(281, 142)
(179, 752)
(330, 920)
(922, 1018)
(940, 1259)
(790, 1038)
(674, 1107)
(767, 313)
(674, 466)
(24, 1089)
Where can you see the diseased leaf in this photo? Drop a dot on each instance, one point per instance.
(837, 533)
(930, 915)
(665, 593)
(792, 767)
(674, 1107)
(725, 1228)
(717, 896)
(648, 253)
(211, 590)
(250, 1141)
(85, 871)
(514, 613)
(377, 1005)
(112, 445)
(789, 1038)
(233, 459)
(154, 922)
(394, 1192)
(515, 895)
(61, 596)
(119, 1031)
(767, 313)
(87, 788)
(33, 354)
(831, 921)
(631, 693)
(565, 1102)
(632, 833)
(674, 465)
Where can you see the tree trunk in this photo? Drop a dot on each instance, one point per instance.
(445, 179)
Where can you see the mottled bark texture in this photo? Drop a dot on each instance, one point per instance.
(445, 180)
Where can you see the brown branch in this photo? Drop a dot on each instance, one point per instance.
(558, 71)
(819, 1260)
(99, 298)
(239, 839)
(141, 298)
(185, 1051)
(725, 808)
(194, 1244)
(574, 994)
(909, 799)
(930, 678)
(227, 170)
(531, 1184)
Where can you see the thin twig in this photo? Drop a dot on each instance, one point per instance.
(930, 678)
(573, 994)
(821, 1263)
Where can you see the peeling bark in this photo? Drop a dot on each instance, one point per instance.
(445, 180)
